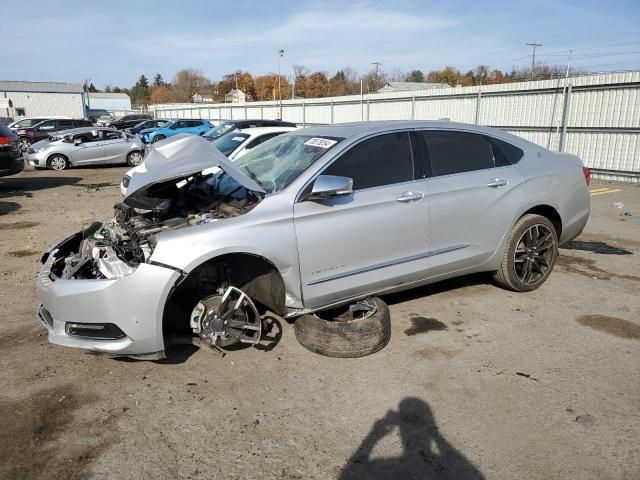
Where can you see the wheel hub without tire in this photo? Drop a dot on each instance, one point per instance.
(223, 320)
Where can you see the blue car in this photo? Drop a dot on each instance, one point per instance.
(195, 127)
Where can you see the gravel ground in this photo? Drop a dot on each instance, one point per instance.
(477, 382)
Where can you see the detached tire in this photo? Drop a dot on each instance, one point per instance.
(348, 335)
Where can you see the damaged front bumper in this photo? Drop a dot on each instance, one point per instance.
(114, 316)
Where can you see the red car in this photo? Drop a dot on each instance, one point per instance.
(41, 130)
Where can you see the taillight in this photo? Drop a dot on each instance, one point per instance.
(5, 140)
(587, 175)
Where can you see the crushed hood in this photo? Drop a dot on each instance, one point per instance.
(178, 158)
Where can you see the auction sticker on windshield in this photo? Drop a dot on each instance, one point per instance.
(320, 142)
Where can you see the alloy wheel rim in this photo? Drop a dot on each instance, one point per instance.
(135, 159)
(24, 144)
(58, 163)
(534, 253)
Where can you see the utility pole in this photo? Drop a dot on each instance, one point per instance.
(533, 46)
(280, 55)
(377, 64)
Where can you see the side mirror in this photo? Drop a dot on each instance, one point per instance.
(327, 186)
(77, 141)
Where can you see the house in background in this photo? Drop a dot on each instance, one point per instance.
(113, 102)
(409, 86)
(198, 98)
(39, 99)
(236, 95)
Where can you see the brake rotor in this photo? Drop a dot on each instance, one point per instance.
(223, 320)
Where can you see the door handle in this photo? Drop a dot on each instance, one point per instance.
(497, 182)
(407, 197)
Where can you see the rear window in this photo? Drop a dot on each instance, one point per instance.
(229, 143)
(6, 132)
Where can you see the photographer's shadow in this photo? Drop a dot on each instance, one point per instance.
(427, 454)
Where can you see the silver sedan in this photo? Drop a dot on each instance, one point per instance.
(85, 146)
(307, 222)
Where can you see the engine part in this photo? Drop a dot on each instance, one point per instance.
(223, 320)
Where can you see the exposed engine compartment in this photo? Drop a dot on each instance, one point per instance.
(115, 249)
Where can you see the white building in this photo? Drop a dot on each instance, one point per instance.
(236, 95)
(408, 86)
(33, 99)
(197, 98)
(113, 102)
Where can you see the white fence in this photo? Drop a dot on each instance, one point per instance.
(596, 117)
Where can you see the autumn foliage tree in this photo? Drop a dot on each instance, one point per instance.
(161, 94)
(266, 87)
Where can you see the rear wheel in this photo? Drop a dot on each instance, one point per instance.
(530, 254)
(57, 162)
(158, 138)
(360, 329)
(134, 159)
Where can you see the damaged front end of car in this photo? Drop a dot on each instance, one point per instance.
(100, 289)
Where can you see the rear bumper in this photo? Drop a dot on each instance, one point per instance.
(135, 304)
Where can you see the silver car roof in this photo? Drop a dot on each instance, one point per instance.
(360, 129)
(73, 131)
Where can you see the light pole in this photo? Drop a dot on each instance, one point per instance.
(280, 55)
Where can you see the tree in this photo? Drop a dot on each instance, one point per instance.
(448, 75)
(300, 73)
(415, 76)
(107, 89)
(161, 94)
(140, 91)
(158, 80)
(188, 82)
(352, 80)
(337, 84)
(266, 87)
(90, 87)
(316, 85)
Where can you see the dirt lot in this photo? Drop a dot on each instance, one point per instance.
(477, 382)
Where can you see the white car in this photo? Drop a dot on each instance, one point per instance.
(233, 146)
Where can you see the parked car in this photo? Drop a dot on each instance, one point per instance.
(86, 146)
(96, 114)
(41, 131)
(30, 122)
(146, 124)
(231, 125)
(231, 146)
(11, 161)
(192, 126)
(126, 121)
(306, 224)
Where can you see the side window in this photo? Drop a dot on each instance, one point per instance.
(48, 125)
(457, 152)
(504, 153)
(180, 124)
(109, 135)
(382, 160)
(64, 124)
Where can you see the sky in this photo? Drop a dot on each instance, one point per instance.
(113, 43)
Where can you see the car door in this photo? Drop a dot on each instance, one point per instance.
(115, 145)
(472, 193)
(373, 238)
(89, 151)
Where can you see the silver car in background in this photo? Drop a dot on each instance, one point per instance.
(309, 221)
(85, 146)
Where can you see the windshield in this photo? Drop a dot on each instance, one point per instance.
(279, 161)
(220, 130)
(229, 143)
